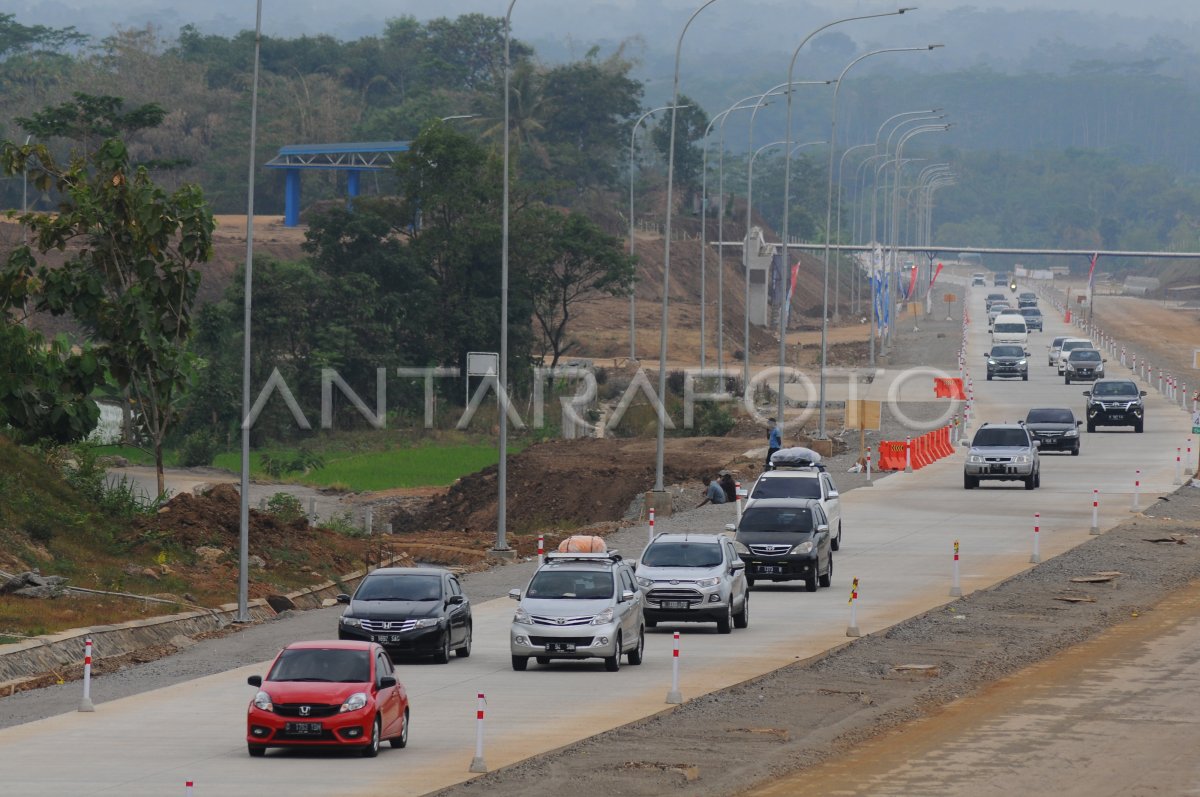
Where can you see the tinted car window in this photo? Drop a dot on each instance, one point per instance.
(682, 554)
(1115, 389)
(786, 488)
(1008, 351)
(336, 666)
(1087, 355)
(1050, 416)
(400, 588)
(1001, 437)
(786, 519)
(584, 585)
(1008, 326)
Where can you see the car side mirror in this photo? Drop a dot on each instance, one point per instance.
(455, 600)
(343, 598)
(833, 493)
(255, 680)
(1079, 423)
(822, 528)
(730, 527)
(515, 594)
(1141, 392)
(1103, 360)
(1087, 393)
(626, 596)
(387, 682)
(965, 443)
(737, 565)
(1037, 443)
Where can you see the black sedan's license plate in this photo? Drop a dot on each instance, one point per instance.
(675, 604)
(560, 647)
(305, 728)
(768, 569)
(388, 638)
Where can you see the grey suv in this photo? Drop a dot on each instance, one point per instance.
(579, 606)
(1083, 365)
(1008, 360)
(694, 578)
(1003, 452)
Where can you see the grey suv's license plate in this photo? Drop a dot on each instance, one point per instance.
(560, 647)
(675, 604)
(768, 569)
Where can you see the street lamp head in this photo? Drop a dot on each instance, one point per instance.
(910, 8)
(935, 46)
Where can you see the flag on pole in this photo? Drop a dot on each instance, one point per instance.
(1092, 270)
(935, 276)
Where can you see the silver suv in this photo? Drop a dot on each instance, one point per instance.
(1003, 452)
(694, 578)
(579, 606)
(802, 482)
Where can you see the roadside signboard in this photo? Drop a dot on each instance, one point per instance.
(863, 414)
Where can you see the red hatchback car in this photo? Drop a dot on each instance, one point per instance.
(328, 694)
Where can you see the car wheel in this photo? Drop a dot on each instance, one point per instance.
(725, 621)
(256, 750)
(970, 482)
(613, 663)
(1029, 482)
(442, 656)
(989, 376)
(1025, 377)
(465, 651)
(827, 579)
(652, 623)
(1091, 427)
(635, 655)
(520, 663)
(402, 739)
(836, 542)
(1066, 379)
(810, 581)
(1037, 479)
(1075, 450)
(749, 581)
(742, 618)
(1138, 428)
(372, 748)
(543, 659)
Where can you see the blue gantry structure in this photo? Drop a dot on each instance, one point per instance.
(352, 159)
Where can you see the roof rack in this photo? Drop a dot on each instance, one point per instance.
(564, 556)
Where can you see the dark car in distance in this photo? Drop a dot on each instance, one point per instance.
(1009, 361)
(1055, 429)
(409, 610)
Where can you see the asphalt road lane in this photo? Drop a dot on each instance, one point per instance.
(898, 540)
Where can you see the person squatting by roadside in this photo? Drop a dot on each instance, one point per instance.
(713, 493)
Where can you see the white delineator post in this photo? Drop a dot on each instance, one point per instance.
(187, 789)
(86, 703)
(541, 549)
(1137, 486)
(852, 629)
(1187, 463)
(674, 696)
(1095, 512)
(1178, 465)
(477, 763)
(869, 482)
(737, 499)
(908, 454)
(956, 586)
(1036, 556)
(650, 530)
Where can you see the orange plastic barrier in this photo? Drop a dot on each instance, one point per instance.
(948, 387)
(891, 455)
(944, 439)
(920, 452)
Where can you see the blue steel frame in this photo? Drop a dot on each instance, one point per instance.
(353, 159)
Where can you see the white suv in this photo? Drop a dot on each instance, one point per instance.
(812, 481)
(694, 578)
(579, 606)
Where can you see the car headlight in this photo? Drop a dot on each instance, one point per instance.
(1020, 362)
(991, 361)
(354, 702)
(804, 547)
(975, 459)
(645, 582)
(1021, 459)
(1071, 433)
(604, 618)
(263, 701)
(353, 622)
(709, 582)
(428, 622)
(521, 616)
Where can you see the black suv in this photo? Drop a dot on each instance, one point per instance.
(1055, 429)
(409, 610)
(1008, 360)
(1115, 402)
(785, 539)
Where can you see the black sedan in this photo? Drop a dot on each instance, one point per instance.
(1055, 429)
(409, 610)
(1008, 360)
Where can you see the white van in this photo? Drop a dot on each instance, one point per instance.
(1010, 328)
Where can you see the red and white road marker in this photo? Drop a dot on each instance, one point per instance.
(1036, 556)
(674, 696)
(651, 528)
(955, 586)
(1095, 512)
(477, 763)
(1137, 488)
(541, 549)
(852, 629)
(86, 703)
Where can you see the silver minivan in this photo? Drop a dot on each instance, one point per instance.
(694, 578)
(579, 606)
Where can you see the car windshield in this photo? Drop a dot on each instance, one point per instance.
(1050, 416)
(1009, 326)
(1030, 311)
(316, 664)
(788, 519)
(1057, 343)
(580, 584)
(399, 588)
(1115, 389)
(682, 554)
(778, 487)
(1000, 437)
(1007, 351)
(1071, 345)
(1089, 355)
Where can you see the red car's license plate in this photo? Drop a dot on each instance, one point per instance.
(305, 728)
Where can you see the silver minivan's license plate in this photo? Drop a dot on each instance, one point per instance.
(560, 647)
(675, 604)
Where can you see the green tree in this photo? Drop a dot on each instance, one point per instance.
(45, 388)
(129, 278)
(690, 123)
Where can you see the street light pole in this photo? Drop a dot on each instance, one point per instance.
(895, 209)
(502, 469)
(787, 176)
(243, 610)
(632, 289)
(660, 446)
(837, 272)
(829, 223)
